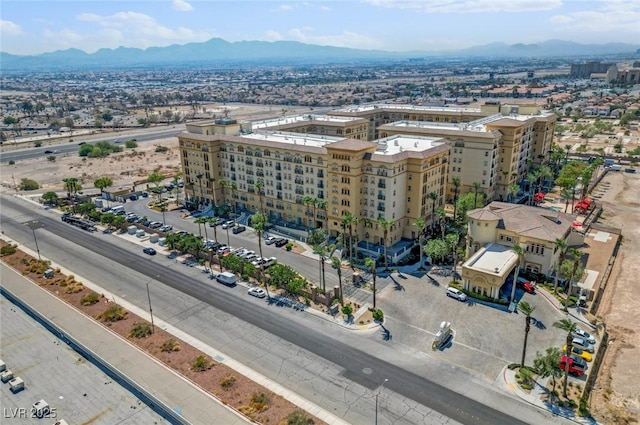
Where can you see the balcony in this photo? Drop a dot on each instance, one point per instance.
(299, 180)
(249, 172)
(278, 167)
(382, 185)
(299, 170)
(232, 168)
(320, 174)
(279, 186)
(299, 200)
(259, 164)
(260, 173)
(249, 161)
(320, 185)
(380, 207)
(279, 196)
(278, 176)
(382, 197)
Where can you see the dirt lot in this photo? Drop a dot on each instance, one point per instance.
(616, 397)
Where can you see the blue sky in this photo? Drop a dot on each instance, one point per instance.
(31, 27)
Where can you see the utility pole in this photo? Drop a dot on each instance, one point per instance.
(377, 395)
(150, 309)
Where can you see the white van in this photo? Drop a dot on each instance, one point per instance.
(117, 210)
(227, 278)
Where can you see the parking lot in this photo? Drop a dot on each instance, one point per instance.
(486, 338)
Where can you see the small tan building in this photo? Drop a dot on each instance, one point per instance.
(494, 230)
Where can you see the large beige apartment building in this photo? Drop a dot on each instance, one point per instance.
(391, 178)
(495, 151)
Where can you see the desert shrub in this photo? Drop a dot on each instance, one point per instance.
(90, 299)
(170, 345)
(377, 314)
(7, 250)
(37, 143)
(260, 401)
(130, 144)
(28, 184)
(347, 310)
(140, 330)
(227, 382)
(51, 158)
(160, 148)
(112, 314)
(200, 364)
(75, 288)
(583, 407)
(299, 417)
(12, 162)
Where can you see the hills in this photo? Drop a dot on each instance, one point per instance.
(219, 52)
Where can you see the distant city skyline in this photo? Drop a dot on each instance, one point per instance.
(31, 27)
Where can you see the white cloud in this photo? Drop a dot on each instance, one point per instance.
(325, 8)
(286, 7)
(129, 29)
(470, 6)
(181, 6)
(8, 28)
(344, 39)
(613, 16)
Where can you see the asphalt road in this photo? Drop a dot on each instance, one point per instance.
(67, 148)
(359, 366)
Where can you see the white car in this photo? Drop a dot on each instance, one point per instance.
(257, 292)
(585, 335)
(582, 344)
(257, 261)
(270, 240)
(268, 262)
(229, 224)
(250, 257)
(457, 294)
(247, 253)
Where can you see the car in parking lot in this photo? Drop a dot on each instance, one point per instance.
(150, 251)
(257, 292)
(246, 253)
(585, 335)
(133, 197)
(281, 242)
(528, 287)
(268, 262)
(257, 261)
(228, 224)
(155, 225)
(456, 293)
(578, 352)
(166, 228)
(575, 368)
(270, 240)
(238, 229)
(582, 344)
(223, 249)
(250, 257)
(212, 223)
(132, 218)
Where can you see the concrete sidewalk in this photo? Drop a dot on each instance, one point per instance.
(195, 405)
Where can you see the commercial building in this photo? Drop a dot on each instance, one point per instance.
(494, 230)
(308, 181)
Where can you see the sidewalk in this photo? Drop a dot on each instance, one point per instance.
(574, 312)
(507, 380)
(176, 394)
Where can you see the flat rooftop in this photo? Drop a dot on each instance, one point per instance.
(292, 138)
(493, 258)
(52, 371)
(479, 125)
(400, 143)
(295, 119)
(404, 107)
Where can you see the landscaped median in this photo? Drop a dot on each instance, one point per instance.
(231, 388)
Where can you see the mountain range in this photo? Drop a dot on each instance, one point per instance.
(219, 52)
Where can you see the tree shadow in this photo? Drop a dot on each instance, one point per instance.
(537, 323)
(398, 287)
(386, 333)
(433, 281)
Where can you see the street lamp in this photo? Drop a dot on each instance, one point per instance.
(33, 225)
(377, 394)
(150, 309)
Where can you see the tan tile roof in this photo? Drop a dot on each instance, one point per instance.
(351, 145)
(535, 222)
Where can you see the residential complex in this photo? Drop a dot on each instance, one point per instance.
(311, 181)
(494, 230)
(372, 162)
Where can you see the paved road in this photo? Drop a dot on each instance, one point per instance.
(359, 366)
(72, 148)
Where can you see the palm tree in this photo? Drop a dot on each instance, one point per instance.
(322, 204)
(307, 201)
(570, 327)
(337, 264)
(321, 250)
(544, 173)
(527, 309)
(476, 189)
(213, 188)
(520, 253)
(223, 184)
(368, 223)
(370, 264)
(453, 239)
(456, 190)
(567, 149)
(259, 223)
(259, 185)
(155, 179)
(200, 221)
(576, 254)
(567, 194)
(562, 246)
(512, 191)
(102, 183)
(72, 185)
(433, 196)
(347, 222)
(421, 223)
(532, 177)
(386, 224)
(233, 186)
(442, 214)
